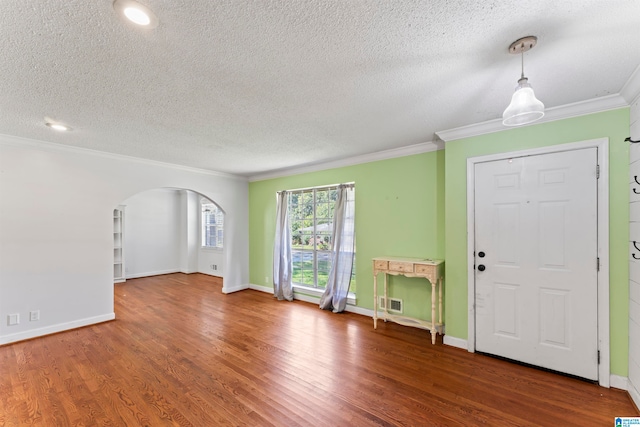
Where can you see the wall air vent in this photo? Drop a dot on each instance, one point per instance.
(394, 306)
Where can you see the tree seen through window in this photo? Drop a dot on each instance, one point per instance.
(311, 222)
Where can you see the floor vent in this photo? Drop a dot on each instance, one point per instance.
(395, 304)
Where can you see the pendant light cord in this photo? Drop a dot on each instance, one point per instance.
(522, 59)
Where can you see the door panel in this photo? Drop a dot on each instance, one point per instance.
(555, 312)
(536, 221)
(551, 239)
(506, 321)
(507, 221)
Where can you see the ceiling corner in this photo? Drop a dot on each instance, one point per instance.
(631, 89)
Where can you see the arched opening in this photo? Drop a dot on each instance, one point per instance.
(168, 230)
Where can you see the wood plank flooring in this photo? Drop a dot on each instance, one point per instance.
(182, 353)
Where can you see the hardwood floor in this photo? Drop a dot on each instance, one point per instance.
(182, 353)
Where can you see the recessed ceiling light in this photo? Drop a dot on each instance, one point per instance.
(137, 16)
(58, 126)
(137, 13)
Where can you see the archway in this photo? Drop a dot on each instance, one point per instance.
(161, 231)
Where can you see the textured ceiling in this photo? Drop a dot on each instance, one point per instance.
(247, 87)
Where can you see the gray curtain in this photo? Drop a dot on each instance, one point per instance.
(343, 245)
(282, 265)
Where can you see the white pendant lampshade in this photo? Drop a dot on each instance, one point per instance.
(524, 107)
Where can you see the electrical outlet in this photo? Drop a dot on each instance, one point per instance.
(13, 319)
(34, 316)
(266, 279)
(214, 267)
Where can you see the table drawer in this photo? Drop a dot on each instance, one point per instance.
(404, 267)
(423, 269)
(380, 265)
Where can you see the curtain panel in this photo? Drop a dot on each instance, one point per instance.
(282, 264)
(342, 251)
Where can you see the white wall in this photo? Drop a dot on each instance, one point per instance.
(190, 231)
(211, 261)
(163, 235)
(56, 230)
(634, 265)
(152, 233)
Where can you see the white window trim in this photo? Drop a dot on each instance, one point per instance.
(212, 248)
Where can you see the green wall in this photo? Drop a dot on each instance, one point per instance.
(612, 124)
(399, 212)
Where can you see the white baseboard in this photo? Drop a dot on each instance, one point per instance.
(35, 333)
(348, 308)
(306, 298)
(455, 342)
(296, 295)
(232, 289)
(266, 289)
(152, 273)
(217, 274)
(616, 381)
(314, 300)
(635, 395)
(359, 310)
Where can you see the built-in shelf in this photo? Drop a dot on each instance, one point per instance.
(118, 250)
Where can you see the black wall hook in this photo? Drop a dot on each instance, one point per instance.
(635, 244)
(631, 140)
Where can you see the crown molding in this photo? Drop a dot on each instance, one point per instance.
(595, 105)
(631, 89)
(409, 150)
(18, 141)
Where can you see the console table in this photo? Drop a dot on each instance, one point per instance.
(430, 269)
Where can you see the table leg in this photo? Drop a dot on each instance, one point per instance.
(375, 300)
(386, 301)
(433, 313)
(440, 308)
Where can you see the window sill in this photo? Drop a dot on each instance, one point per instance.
(211, 248)
(351, 297)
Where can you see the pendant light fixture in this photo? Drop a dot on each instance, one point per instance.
(524, 107)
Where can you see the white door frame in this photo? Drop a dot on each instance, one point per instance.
(602, 144)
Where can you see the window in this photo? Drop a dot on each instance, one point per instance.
(212, 224)
(311, 221)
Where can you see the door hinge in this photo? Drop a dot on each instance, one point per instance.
(598, 263)
(598, 357)
(597, 171)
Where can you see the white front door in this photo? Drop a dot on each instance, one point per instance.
(536, 260)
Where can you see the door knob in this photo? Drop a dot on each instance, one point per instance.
(481, 254)
(481, 267)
